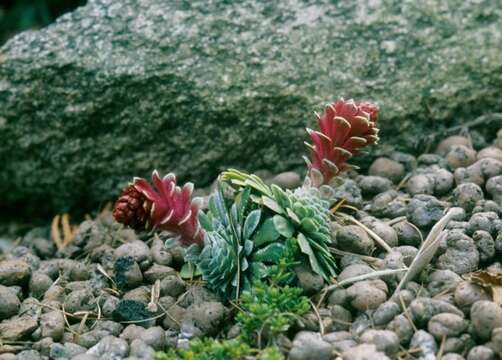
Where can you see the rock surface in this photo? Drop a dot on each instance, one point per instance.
(118, 88)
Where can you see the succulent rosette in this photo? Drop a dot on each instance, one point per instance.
(163, 206)
(344, 128)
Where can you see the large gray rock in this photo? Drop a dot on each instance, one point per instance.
(120, 87)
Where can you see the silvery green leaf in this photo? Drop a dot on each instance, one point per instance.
(251, 223)
(244, 265)
(283, 226)
(242, 201)
(187, 271)
(293, 216)
(308, 225)
(271, 253)
(272, 205)
(171, 243)
(248, 247)
(192, 253)
(307, 250)
(266, 233)
(258, 270)
(205, 221)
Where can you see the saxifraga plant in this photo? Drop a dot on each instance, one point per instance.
(249, 238)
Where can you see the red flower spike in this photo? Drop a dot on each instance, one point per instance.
(164, 207)
(345, 128)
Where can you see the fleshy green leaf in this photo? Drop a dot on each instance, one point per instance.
(307, 250)
(271, 253)
(308, 225)
(248, 247)
(205, 221)
(283, 226)
(251, 223)
(188, 271)
(259, 270)
(266, 233)
(272, 205)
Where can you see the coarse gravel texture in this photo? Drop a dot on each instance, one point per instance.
(93, 299)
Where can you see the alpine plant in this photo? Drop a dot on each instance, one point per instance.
(345, 128)
(236, 253)
(164, 207)
(302, 214)
(248, 236)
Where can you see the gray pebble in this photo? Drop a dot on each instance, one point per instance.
(497, 340)
(485, 316)
(17, 328)
(386, 232)
(28, 355)
(490, 152)
(408, 253)
(109, 348)
(485, 245)
(446, 325)
(386, 312)
(460, 156)
(43, 247)
(138, 250)
(447, 144)
(467, 195)
(443, 281)
(407, 234)
(111, 327)
(310, 282)
(420, 184)
(487, 221)
(479, 172)
(14, 272)
(422, 309)
(347, 190)
(110, 305)
(197, 294)
(154, 337)
(160, 255)
(402, 327)
(157, 272)
(373, 185)
(52, 325)
(80, 300)
(384, 340)
(360, 324)
(342, 318)
(494, 188)
(66, 351)
(452, 356)
(174, 317)
(363, 352)
(368, 294)
(172, 285)
(208, 317)
(388, 204)
(467, 293)
(9, 302)
(425, 342)
(387, 168)
(84, 357)
(140, 350)
(287, 180)
(481, 352)
(39, 284)
(310, 346)
(425, 210)
(461, 254)
(354, 239)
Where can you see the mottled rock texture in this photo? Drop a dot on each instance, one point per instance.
(120, 87)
